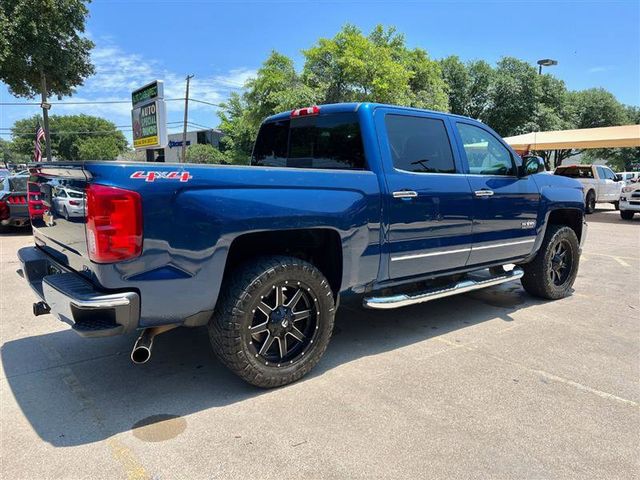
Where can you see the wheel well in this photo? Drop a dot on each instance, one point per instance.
(570, 217)
(321, 247)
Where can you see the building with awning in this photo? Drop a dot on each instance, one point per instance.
(602, 137)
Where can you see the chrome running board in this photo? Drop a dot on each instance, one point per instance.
(464, 286)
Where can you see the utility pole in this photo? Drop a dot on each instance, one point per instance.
(45, 114)
(186, 113)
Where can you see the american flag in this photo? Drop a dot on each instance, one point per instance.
(37, 153)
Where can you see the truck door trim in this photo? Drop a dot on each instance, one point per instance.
(461, 250)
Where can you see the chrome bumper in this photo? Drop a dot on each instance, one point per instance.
(75, 300)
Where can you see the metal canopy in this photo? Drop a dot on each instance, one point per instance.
(603, 137)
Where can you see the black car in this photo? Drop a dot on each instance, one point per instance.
(14, 207)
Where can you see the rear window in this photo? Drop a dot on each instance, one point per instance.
(18, 184)
(575, 172)
(325, 141)
(73, 194)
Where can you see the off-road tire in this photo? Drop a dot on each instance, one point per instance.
(233, 316)
(590, 202)
(537, 274)
(626, 214)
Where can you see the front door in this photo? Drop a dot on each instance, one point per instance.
(428, 202)
(505, 206)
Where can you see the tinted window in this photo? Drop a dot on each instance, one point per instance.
(486, 155)
(18, 184)
(324, 141)
(575, 172)
(73, 194)
(419, 144)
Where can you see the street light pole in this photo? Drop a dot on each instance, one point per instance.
(546, 62)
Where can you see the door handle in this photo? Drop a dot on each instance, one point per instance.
(485, 192)
(405, 194)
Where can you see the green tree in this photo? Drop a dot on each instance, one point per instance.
(470, 86)
(100, 137)
(204, 153)
(8, 154)
(515, 96)
(44, 37)
(349, 67)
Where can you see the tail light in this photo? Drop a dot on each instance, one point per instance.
(75, 203)
(4, 210)
(114, 224)
(301, 112)
(34, 200)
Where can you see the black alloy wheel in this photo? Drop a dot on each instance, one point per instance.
(284, 324)
(560, 263)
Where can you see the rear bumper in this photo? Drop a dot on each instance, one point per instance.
(76, 301)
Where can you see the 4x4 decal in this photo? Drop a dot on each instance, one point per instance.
(151, 176)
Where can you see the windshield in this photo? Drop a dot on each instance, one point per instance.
(325, 141)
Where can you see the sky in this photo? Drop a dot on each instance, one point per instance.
(222, 43)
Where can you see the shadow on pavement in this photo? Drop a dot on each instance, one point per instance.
(77, 391)
(15, 231)
(610, 216)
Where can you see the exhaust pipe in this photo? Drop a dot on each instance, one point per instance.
(141, 352)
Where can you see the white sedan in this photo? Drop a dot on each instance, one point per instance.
(68, 203)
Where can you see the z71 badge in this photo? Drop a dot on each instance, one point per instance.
(528, 224)
(153, 176)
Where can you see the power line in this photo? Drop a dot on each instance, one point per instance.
(103, 102)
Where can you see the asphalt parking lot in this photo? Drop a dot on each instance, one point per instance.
(492, 384)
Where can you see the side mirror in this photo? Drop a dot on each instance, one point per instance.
(618, 177)
(532, 164)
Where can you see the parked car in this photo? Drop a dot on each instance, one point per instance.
(394, 206)
(14, 210)
(601, 185)
(630, 200)
(629, 177)
(68, 203)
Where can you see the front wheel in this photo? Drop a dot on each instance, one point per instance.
(627, 214)
(273, 320)
(553, 271)
(616, 205)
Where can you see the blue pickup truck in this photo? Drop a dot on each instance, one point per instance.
(391, 206)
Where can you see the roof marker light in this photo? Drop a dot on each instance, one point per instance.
(300, 112)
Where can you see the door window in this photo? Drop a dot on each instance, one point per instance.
(419, 144)
(485, 154)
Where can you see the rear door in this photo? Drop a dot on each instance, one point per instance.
(505, 206)
(428, 200)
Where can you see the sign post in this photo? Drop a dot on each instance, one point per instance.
(149, 116)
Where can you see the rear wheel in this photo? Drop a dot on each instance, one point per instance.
(590, 202)
(553, 271)
(627, 214)
(65, 213)
(273, 320)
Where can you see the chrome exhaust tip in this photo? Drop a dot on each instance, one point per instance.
(141, 352)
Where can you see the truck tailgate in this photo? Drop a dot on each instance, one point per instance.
(57, 203)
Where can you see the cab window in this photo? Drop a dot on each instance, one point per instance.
(419, 144)
(486, 155)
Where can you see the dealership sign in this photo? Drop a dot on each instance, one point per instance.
(149, 116)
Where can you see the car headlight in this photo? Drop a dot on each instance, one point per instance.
(628, 189)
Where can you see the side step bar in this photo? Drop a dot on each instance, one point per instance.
(464, 286)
